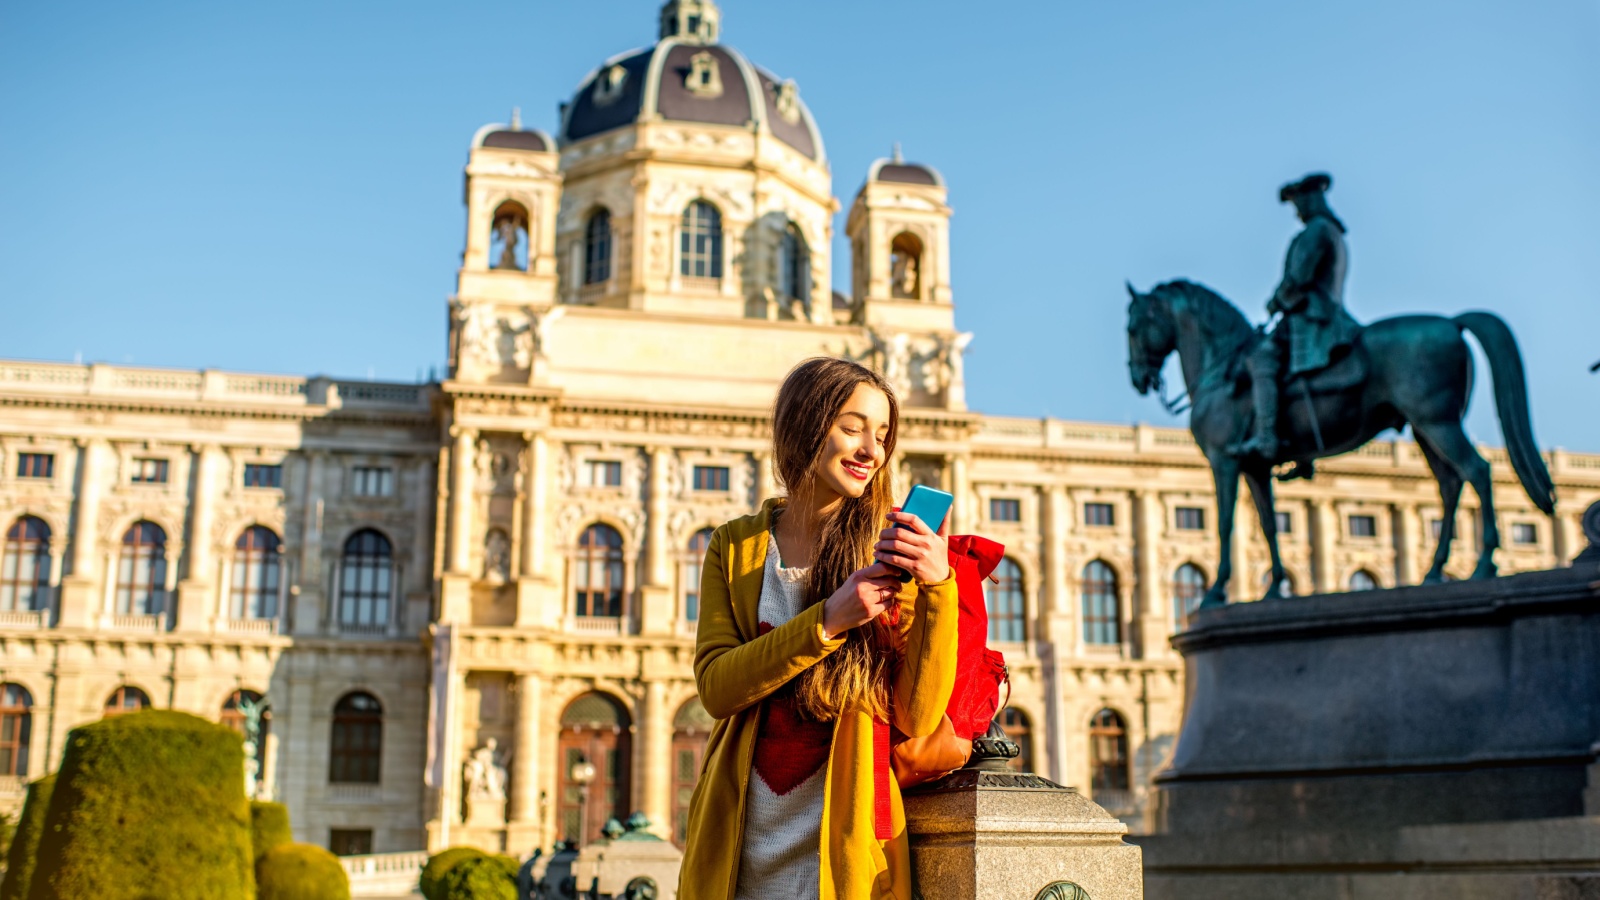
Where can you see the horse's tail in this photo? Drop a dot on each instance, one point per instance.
(1511, 403)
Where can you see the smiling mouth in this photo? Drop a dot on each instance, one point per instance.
(859, 471)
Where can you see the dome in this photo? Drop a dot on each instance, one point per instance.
(686, 77)
(513, 137)
(898, 171)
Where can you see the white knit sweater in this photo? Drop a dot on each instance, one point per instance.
(781, 853)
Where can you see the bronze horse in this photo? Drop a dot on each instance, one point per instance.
(1408, 370)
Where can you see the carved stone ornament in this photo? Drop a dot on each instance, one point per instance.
(704, 79)
(608, 85)
(1062, 890)
(788, 101)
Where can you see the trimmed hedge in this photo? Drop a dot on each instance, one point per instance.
(269, 827)
(301, 872)
(478, 878)
(440, 863)
(148, 805)
(25, 842)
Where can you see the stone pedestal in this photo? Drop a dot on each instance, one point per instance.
(486, 812)
(988, 833)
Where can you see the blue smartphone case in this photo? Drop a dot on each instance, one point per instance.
(928, 504)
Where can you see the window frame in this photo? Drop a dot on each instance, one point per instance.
(694, 562)
(366, 576)
(1180, 587)
(142, 566)
(27, 547)
(1007, 600)
(159, 470)
(372, 481)
(794, 265)
(609, 560)
(1108, 725)
(355, 740)
(997, 505)
(608, 466)
(1092, 509)
(16, 729)
(29, 463)
(719, 483)
(1519, 529)
(700, 241)
(1371, 579)
(1369, 529)
(255, 574)
(1182, 516)
(117, 703)
(597, 248)
(1284, 521)
(1097, 591)
(253, 472)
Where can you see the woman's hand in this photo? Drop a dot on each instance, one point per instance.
(863, 596)
(914, 548)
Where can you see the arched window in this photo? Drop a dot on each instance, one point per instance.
(794, 266)
(256, 557)
(701, 245)
(1362, 580)
(25, 575)
(690, 728)
(594, 732)
(16, 729)
(597, 248)
(126, 699)
(142, 570)
(598, 572)
(366, 574)
(1188, 589)
(1102, 608)
(905, 266)
(1007, 608)
(508, 238)
(1015, 723)
(698, 545)
(1286, 589)
(1108, 753)
(234, 717)
(355, 753)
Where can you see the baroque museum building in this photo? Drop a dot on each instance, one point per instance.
(403, 573)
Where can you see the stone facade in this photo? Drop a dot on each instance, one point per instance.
(511, 553)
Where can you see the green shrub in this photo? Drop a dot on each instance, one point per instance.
(478, 878)
(22, 857)
(440, 863)
(148, 805)
(301, 872)
(269, 827)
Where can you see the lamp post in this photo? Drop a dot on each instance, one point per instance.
(582, 775)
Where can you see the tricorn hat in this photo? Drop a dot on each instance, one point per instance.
(1316, 182)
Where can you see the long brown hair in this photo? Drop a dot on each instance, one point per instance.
(856, 675)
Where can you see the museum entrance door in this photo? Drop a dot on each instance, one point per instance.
(596, 760)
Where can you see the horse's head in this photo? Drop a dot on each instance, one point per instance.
(1151, 338)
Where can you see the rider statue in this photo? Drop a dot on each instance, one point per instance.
(1315, 329)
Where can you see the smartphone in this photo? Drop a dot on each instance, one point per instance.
(928, 504)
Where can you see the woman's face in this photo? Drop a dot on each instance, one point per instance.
(853, 452)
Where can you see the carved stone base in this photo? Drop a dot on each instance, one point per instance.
(486, 813)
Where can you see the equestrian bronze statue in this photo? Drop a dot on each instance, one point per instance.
(1319, 384)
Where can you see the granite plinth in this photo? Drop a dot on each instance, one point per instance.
(999, 835)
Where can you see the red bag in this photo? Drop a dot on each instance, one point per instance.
(975, 698)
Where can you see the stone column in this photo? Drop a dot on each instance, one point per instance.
(80, 600)
(961, 518)
(1568, 540)
(657, 614)
(315, 609)
(196, 590)
(461, 501)
(535, 492)
(1407, 544)
(766, 479)
(1245, 585)
(1059, 635)
(655, 763)
(525, 762)
(1324, 535)
(1149, 579)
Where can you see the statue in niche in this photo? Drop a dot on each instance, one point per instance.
(905, 267)
(508, 227)
(514, 344)
(495, 474)
(484, 773)
(496, 556)
(948, 365)
(894, 352)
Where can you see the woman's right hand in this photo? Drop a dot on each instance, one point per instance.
(863, 596)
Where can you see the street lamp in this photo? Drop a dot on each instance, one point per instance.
(582, 775)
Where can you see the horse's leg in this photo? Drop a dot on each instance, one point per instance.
(1451, 443)
(1225, 472)
(1260, 481)
(1450, 496)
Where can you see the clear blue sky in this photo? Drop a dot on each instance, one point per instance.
(277, 186)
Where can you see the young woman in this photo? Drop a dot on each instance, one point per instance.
(796, 661)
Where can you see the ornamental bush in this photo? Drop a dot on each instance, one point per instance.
(440, 863)
(25, 841)
(146, 805)
(269, 827)
(478, 878)
(300, 872)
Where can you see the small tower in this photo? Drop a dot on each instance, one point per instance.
(508, 271)
(899, 230)
(691, 21)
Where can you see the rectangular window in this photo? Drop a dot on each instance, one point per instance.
(263, 476)
(1285, 523)
(1436, 526)
(1191, 518)
(1099, 514)
(1363, 526)
(1005, 510)
(710, 478)
(603, 473)
(1524, 533)
(372, 481)
(350, 841)
(149, 471)
(36, 465)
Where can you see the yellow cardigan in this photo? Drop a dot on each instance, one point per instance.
(735, 669)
